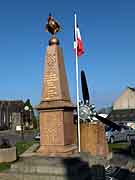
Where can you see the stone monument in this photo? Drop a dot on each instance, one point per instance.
(55, 108)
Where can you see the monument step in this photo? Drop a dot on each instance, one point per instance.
(51, 166)
(32, 176)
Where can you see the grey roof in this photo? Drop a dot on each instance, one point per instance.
(12, 105)
(122, 115)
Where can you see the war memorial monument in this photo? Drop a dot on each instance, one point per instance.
(56, 109)
(57, 157)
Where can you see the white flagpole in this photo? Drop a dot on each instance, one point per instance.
(78, 120)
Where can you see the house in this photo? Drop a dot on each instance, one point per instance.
(126, 100)
(123, 109)
(13, 114)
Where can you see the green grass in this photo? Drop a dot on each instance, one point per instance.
(113, 147)
(20, 148)
(23, 146)
(4, 166)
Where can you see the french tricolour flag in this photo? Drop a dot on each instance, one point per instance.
(78, 41)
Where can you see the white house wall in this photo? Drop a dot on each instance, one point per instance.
(126, 100)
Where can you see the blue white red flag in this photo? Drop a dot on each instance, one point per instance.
(78, 41)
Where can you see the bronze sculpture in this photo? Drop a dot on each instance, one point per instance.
(52, 26)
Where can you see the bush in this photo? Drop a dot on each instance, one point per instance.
(5, 143)
(4, 128)
(132, 148)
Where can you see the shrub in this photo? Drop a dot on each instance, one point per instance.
(5, 143)
(132, 148)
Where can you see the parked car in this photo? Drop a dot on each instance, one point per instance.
(125, 134)
(37, 137)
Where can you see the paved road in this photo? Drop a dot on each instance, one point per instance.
(15, 137)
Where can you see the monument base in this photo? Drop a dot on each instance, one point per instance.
(56, 128)
(57, 150)
(52, 168)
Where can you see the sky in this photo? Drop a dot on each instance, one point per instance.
(108, 32)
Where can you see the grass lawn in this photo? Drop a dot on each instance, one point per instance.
(20, 148)
(23, 146)
(4, 166)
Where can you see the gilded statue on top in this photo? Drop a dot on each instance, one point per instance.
(52, 26)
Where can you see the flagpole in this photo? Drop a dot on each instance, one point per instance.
(77, 84)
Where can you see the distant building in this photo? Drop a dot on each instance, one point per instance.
(12, 114)
(123, 110)
(126, 100)
(122, 115)
(105, 110)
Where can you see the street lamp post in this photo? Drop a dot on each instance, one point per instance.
(30, 116)
(22, 132)
(27, 109)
